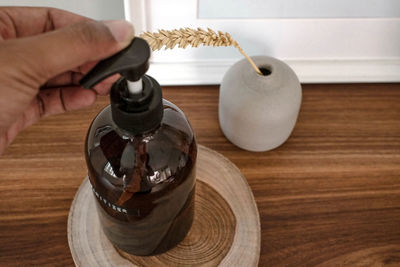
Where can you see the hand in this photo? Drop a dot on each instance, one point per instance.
(44, 53)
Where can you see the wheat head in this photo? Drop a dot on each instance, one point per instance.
(194, 37)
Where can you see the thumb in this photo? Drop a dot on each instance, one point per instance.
(55, 52)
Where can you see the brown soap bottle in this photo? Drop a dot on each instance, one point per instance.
(141, 157)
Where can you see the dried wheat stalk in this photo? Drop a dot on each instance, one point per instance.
(187, 36)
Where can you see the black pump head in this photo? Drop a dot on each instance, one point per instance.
(137, 112)
(132, 63)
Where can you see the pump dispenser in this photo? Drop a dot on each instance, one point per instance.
(136, 99)
(141, 154)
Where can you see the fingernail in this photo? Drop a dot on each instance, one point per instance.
(122, 31)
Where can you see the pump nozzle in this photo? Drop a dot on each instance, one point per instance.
(132, 63)
(135, 87)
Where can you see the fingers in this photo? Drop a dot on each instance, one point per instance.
(59, 100)
(17, 22)
(32, 59)
(73, 78)
(103, 88)
(64, 79)
(85, 68)
(44, 56)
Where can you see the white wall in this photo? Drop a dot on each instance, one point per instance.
(299, 9)
(362, 45)
(96, 9)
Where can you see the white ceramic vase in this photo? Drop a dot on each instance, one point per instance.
(258, 112)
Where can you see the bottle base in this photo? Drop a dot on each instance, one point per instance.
(177, 232)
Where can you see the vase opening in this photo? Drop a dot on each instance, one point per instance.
(265, 70)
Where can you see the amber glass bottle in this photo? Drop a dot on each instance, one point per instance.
(141, 157)
(144, 184)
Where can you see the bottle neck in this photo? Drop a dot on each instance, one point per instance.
(137, 113)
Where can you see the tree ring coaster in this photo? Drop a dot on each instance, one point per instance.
(225, 230)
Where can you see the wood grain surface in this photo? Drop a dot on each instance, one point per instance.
(329, 196)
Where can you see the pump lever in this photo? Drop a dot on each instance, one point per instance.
(131, 62)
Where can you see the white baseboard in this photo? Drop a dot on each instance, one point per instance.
(308, 71)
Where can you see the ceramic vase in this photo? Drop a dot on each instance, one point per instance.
(258, 112)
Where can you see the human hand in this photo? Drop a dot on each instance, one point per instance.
(44, 53)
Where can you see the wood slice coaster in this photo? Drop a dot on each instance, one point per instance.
(225, 230)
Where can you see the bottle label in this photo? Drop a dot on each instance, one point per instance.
(108, 203)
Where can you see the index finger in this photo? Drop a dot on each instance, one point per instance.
(16, 22)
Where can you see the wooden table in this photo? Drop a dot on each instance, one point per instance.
(329, 195)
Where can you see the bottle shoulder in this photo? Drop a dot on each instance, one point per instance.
(173, 120)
